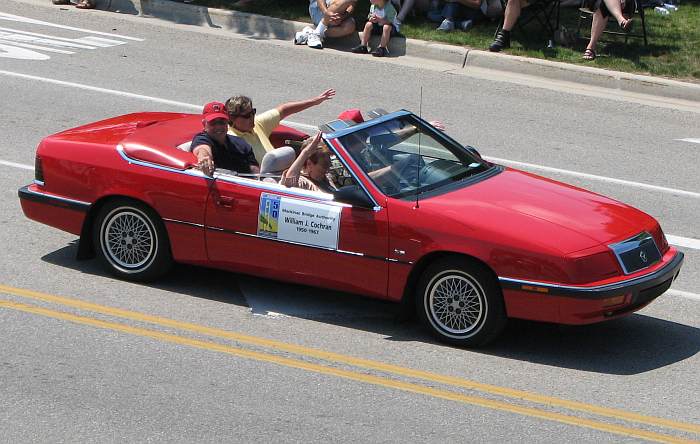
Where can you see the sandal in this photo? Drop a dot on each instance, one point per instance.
(85, 4)
(588, 54)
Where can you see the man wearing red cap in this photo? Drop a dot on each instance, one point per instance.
(215, 148)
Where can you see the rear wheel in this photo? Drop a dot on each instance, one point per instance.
(131, 241)
(460, 302)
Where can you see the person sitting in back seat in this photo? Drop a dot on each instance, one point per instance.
(310, 170)
(215, 148)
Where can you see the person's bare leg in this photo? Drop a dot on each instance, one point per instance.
(597, 28)
(386, 36)
(511, 14)
(345, 28)
(615, 8)
(366, 33)
(340, 6)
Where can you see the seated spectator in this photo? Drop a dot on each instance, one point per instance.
(621, 10)
(404, 7)
(511, 14)
(310, 170)
(256, 129)
(332, 18)
(214, 148)
(379, 21)
(460, 14)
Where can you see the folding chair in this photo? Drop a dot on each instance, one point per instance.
(544, 12)
(587, 15)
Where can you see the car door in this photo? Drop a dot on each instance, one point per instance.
(296, 235)
(231, 227)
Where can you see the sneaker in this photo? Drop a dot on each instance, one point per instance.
(501, 41)
(360, 49)
(446, 25)
(466, 25)
(380, 52)
(301, 36)
(314, 41)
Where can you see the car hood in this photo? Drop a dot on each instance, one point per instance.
(515, 205)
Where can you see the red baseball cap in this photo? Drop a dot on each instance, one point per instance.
(353, 114)
(213, 111)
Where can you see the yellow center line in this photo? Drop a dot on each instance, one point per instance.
(345, 374)
(357, 362)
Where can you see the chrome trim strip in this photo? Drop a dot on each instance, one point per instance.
(65, 202)
(182, 222)
(350, 253)
(629, 285)
(187, 172)
(39, 182)
(238, 180)
(280, 189)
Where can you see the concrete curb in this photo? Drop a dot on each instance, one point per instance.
(262, 27)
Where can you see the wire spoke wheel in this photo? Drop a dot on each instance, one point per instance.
(456, 303)
(132, 240)
(460, 302)
(129, 239)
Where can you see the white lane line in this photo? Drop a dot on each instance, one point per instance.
(40, 48)
(103, 90)
(687, 242)
(676, 191)
(31, 37)
(305, 126)
(16, 165)
(684, 294)
(688, 140)
(18, 18)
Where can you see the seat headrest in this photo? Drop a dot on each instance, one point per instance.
(277, 160)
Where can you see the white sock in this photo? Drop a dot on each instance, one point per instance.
(321, 29)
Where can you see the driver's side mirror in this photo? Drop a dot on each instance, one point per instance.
(353, 195)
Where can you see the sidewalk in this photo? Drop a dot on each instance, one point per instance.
(263, 27)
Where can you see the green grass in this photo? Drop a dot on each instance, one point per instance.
(673, 50)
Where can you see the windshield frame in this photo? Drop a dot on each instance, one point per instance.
(463, 155)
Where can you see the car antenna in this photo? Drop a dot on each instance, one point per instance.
(418, 162)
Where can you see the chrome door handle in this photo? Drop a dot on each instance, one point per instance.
(225, 201)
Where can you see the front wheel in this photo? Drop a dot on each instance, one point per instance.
(460, 302)
(131, 241)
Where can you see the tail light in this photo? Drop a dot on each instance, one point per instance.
(38, 171)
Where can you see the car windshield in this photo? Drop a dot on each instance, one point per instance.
(403, 157)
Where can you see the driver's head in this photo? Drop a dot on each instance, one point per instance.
(241, 113)
(215, 120)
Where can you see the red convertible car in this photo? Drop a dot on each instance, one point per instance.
(417, 218)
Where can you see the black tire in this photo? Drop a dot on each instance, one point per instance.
(460, 302)
(131, 241)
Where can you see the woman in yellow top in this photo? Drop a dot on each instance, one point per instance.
(256, 129)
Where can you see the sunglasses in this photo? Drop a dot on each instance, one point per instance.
(248, 115)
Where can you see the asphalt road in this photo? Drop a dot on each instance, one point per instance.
(207, 356)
